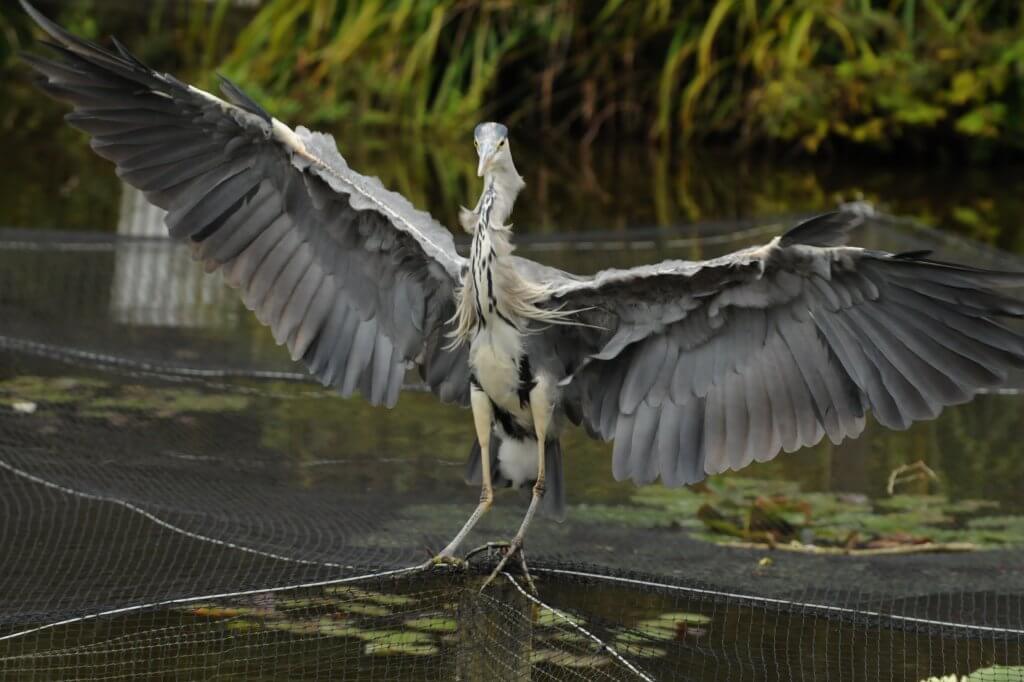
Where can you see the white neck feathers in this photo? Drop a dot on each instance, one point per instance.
(493, 291)
(507, 184)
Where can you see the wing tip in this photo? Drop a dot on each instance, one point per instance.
(36, 15)
(981, 276)
(64, 37)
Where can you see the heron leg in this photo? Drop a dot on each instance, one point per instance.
(541, 410)
(483, 415)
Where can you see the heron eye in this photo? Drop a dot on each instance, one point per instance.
(501, 144)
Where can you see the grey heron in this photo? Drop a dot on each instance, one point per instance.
(691, 368)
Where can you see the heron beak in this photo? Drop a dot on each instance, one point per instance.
(486, 156)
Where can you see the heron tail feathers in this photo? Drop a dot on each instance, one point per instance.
(474, 467)
(553, 504)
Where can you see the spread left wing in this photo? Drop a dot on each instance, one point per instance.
(355, 281)
(694, 368)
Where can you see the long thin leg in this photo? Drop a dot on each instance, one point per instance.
(541, 410)
(483, 414)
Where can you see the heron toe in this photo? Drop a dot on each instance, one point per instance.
(513, 548)
(443, 559)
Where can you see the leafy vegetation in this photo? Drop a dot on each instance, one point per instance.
(799, 73)
(774, 513)
(805, 75)
(567, 188)
(95, 398)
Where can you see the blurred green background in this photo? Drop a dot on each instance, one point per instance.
(812, 75)
(623, 114)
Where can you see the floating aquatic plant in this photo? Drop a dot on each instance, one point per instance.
(433, 624)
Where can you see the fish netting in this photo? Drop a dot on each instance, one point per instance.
(179, 501)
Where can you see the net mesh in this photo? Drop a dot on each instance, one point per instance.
(178, 501)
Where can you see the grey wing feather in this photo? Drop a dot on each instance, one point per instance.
(356, 282)
(694, 368)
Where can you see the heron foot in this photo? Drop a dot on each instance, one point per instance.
(444, 559)
(448, 560)
(512, 549)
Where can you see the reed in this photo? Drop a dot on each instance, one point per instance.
(804, 73)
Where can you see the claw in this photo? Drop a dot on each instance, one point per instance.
(512, 549)
(448, 560)
(443, 560)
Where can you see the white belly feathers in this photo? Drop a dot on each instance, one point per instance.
(517, 460)
(494, 357)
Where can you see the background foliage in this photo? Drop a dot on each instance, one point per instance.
(811, 75)
(805, 72)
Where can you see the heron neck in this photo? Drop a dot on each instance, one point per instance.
(507, 184)
(490, 248)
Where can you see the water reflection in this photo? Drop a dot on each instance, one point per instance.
(58, 182)
(154, 286)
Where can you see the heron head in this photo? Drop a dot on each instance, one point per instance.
(491, 140)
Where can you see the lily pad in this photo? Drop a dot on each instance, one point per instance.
(631, 638)
(295, 627)
(365, 609)
(998, 673)
(333, 627)
(244, 625)
(394, 637)
(546, 618)
(1008, 521)
(402, 649)
(657, 629)
(359, 594)
(53, 390)
(433, 624)
(543, 655)
(99, 399)
(669, 626)
(970, 506)
(778, 514)
(571, 637)
(168, 402)
(684, 617)
(641, 650)
(565, 659)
